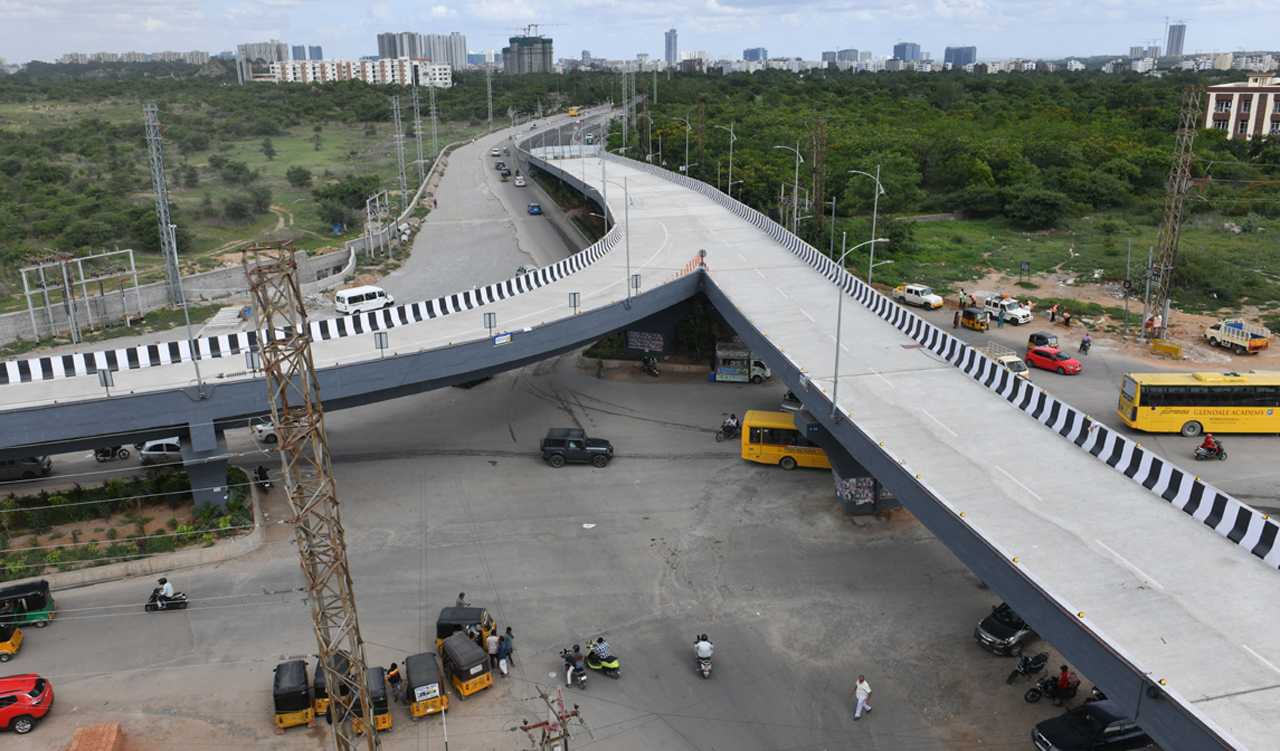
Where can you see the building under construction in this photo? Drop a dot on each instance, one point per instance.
(528, 54)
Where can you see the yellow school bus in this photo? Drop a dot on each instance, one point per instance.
(1193, 403)
(575, 111)
(772, 438)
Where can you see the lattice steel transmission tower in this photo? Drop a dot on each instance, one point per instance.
(308, 475)
(168, 240)
(488, 82)
(435, 148)
(404, 179)
(417, 136)
(1174, 200)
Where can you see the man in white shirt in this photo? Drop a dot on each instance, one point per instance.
(166, 592)
(863, 692)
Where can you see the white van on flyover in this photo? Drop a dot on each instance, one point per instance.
(360, 299)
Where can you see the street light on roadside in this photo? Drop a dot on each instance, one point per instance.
(650, 119)
(875, 209)
(687, 128)
(732, 138)
(729, 189)
(835, 388)
(795, 191)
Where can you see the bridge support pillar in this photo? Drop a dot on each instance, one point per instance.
(206, 465)
(858, 492)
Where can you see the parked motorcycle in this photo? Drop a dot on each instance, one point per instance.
(650, 366)
(573, 673)
(1219, 453)
(609, 667)
(1029, 666)
(702, 647)
(1095, 695)
(112, 452)
(727, 431)
(1048, 687)
(177, 602)
(263, 478)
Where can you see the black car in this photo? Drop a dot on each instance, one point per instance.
(1003, 632)
(563, 445)
(1100, 725)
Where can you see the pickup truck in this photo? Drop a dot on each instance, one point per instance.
(563, 445)
(1013, 310)
(1008, 358)
(917, 294)
(1239, 336)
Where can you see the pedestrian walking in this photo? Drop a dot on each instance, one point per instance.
(1000, 320)
(863, 692)
(509, 639)
(462, 601)
(393, 678)
(434, 203)
(502, 657)
(956, 323)
(492, 644)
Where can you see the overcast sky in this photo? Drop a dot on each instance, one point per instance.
(612, 29)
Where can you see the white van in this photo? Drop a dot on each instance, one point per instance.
(360, 299)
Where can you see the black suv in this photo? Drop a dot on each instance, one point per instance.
(572, 445)
(1003, 632)
(1096, 726)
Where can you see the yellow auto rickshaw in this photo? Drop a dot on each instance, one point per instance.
(975, 319)
(292, 696)
(341, 663)
(10, 637)
(424, 685)
(378, 698)
(466, 663)
(471, 621)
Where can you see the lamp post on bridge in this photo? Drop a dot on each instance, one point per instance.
(835, 387)
(875, 210)
(687, 128)
(732, 138)
(795, 191)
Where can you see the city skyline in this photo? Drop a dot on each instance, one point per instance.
(999, 29)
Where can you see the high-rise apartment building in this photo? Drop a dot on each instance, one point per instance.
(960, 56)
(1137, 53)
(1177, 36)
(850, 54)
(906, 51)
(829, 57)
(755, 54)
(393, 45)
(528, 55)
(299, 52)
(272, 52)
(316, 52)
(671, 52)
(451, 49)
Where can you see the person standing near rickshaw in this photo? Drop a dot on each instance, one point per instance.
(393, 678)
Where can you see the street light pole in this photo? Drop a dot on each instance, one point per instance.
(687, 128)
(795, 191)
(835, 386)
(732, 138)
(875, 210)
(650, 151)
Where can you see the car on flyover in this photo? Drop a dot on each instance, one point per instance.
(24, 699)
(1050, 358)
(1091, 727)
(494, 152)
(519, 181)
(535, 208)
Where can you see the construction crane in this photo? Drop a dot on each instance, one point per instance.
(532, 29)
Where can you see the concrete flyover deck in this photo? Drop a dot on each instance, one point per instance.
(1138, 594)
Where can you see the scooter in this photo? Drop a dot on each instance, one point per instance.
(177, 602)
(1048, 687)
(1085, 344)
(704, 663)
(573, 673)
(263, 478)
(1029, 666)
(113, 452)
(727, 432)
(650, 366)
(609, 667)
(1203, 453)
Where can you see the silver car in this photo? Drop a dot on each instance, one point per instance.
(163, 451)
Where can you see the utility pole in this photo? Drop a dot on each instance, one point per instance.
(554, 735)
(488, 82)
(1174, 200)
(417, 135)
(168, 242)
(404, 180)
(435, 147)
(307, 471)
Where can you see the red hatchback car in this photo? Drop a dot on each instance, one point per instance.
(23, 700)
(1053, 359)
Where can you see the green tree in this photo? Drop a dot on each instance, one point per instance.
(351, 191)
(298, 177)
(237, 208)
(268, 149)
(260, 198)
(1038, 208)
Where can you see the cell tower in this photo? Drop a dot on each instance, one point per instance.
(298, 417)
(168, 241)
(404, 180)
(1174, 199)
(488, 81)
(417, 136)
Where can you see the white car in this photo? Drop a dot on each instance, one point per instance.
(494, 152)
(519, 181)
(163, 451)
(264, 431)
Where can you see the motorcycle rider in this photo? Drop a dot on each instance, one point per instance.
(1063, 683)
(703, 647)
(164, 592)
(573, 663)
(1085, 343)
(1210, 445)
(730, 424)
(601, 650)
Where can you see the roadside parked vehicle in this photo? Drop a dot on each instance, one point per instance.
(1003, 632)
(975, 318)
(1096, 725)
(378, 698)
(10, 638)
(25, 469)
(424, 685)
(361, 299)
(292, 696)
(466, 663)
(24, 699)
(1056, 360)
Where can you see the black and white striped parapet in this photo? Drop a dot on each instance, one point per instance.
(1239, 523)
(167, 353)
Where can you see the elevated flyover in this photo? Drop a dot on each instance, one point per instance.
(1159, 588)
